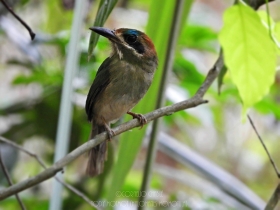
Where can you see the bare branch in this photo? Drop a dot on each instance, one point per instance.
(9, 180)
(58, 166)
(265, 148)
(32, 34)
(71, 188)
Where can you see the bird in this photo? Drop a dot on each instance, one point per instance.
(120, 83)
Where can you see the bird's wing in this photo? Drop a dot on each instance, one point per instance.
(99, 84)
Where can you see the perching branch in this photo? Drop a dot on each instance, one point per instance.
(38, 159)
(58, 166)
(9, 180)
(32, 34)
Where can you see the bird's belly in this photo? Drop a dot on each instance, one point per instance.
(114, 110)
(123, 92)
(117, 100)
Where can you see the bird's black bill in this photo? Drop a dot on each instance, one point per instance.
(105, 32)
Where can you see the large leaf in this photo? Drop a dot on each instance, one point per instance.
(130, 142)
(104, 10)
(249, 53)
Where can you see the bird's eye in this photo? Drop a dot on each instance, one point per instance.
(130, 39)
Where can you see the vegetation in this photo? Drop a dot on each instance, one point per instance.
(205, 157)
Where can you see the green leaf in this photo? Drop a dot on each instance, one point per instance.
(104, 10)
(130, 142)
(249, 53)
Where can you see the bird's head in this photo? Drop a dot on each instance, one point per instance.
(129, 43)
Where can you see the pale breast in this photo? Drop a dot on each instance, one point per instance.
(128, 85)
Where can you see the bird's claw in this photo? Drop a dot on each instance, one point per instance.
(111, 133)
(140, 117)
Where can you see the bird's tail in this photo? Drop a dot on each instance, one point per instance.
(98, 154)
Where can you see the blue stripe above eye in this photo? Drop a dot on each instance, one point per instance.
(132, 31)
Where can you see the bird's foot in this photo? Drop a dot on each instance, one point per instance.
(110, 132)
(140, 117)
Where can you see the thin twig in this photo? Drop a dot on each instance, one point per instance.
(32, 34)
(265, 148)
(71, 188)
(9, 180)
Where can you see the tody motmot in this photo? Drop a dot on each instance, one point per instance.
(120, 82)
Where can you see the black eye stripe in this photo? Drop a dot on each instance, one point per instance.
(130, 38)
(138, 47)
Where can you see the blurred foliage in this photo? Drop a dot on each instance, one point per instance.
(36, 104)
(12, 203)
(198, 37)
(54, 24)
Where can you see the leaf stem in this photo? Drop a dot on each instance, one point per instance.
(152, 147)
